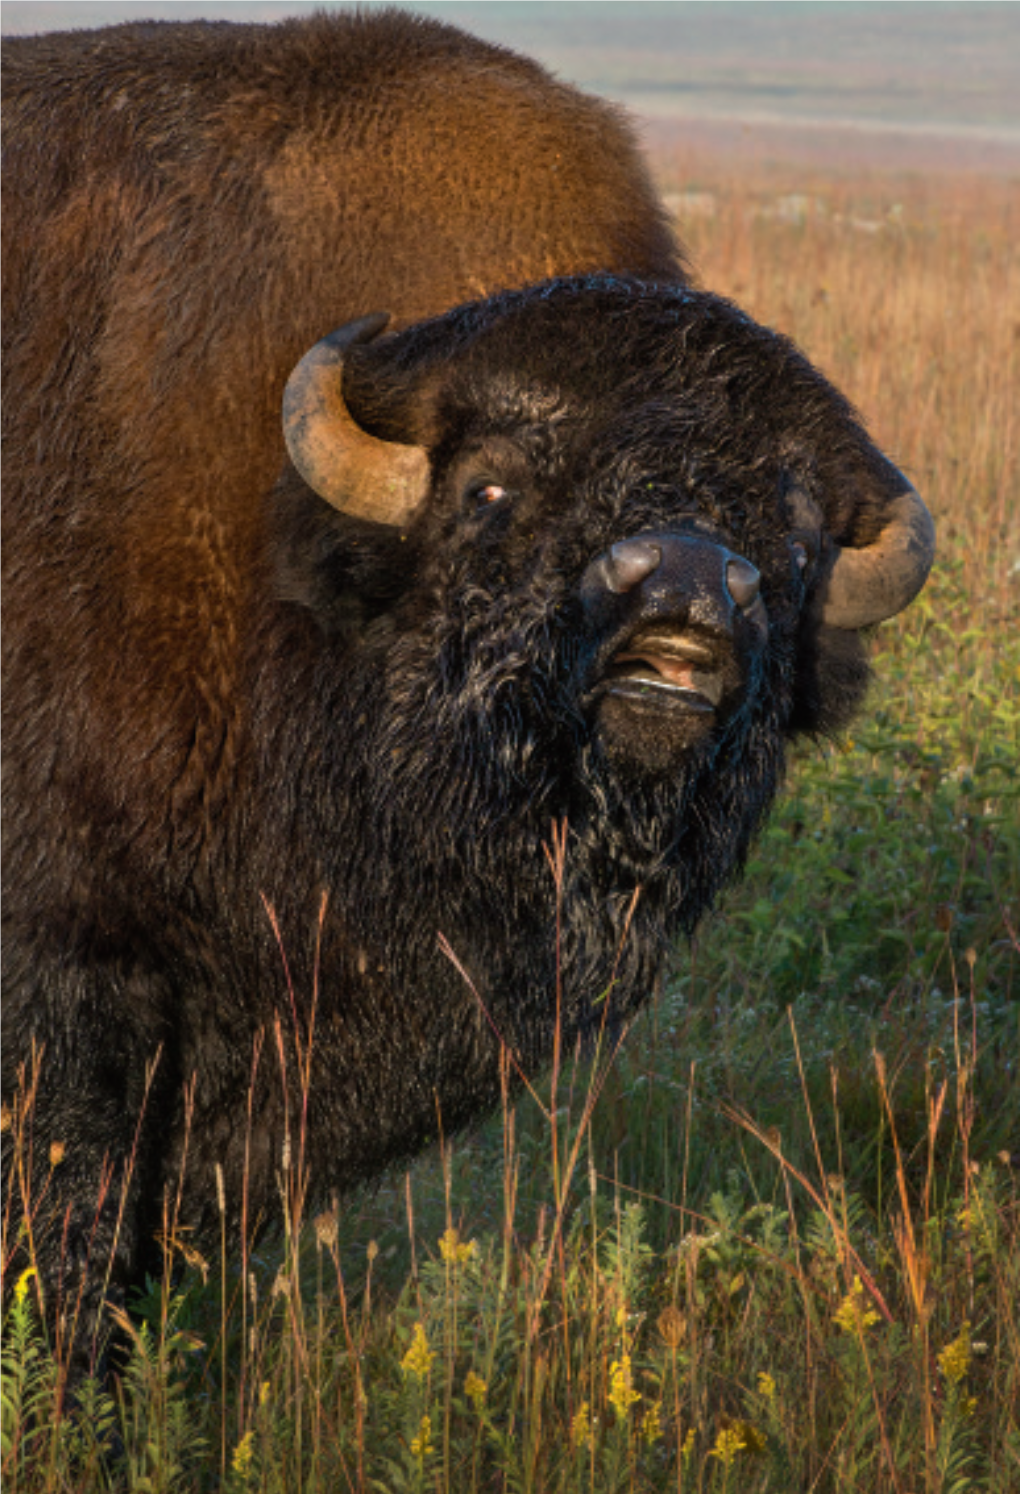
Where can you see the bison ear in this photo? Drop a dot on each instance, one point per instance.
(383, 481)
(868, 583)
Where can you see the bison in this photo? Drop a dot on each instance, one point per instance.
(543, 537)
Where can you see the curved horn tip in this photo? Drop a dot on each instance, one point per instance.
(872, 584)
(362, 329)
(353, 471)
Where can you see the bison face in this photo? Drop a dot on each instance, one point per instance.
(614, 543)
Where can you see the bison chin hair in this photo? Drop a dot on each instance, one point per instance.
(480, 743)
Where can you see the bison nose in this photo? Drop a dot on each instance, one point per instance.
(679, 576)
(743, 581)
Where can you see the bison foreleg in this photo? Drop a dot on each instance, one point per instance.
(82, 1099)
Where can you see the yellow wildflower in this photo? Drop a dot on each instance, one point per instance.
(651, 1423)
(453, 1251)
(728, 1443)
(58, 1151)
(766, 1386)
(475, 1389)
(264, 1392)
(622, 1394)
(755, 1442)
(421, 1445)
(419, 1357)
(954, 1361)
(242, 1459)
(687, 1446)
(853, 1315)
(581, 1434)
(968, 1405)
(21, 1285)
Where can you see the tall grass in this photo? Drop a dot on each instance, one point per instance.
(772, 1244)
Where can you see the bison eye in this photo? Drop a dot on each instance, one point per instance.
(481, 494)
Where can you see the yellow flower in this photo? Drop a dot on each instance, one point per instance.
(21, 1285)
(766, 1386)
(651, 1423)
(475, 1389)
(622, 1394)
(241, 1461)
(421, 1445)
(687, 1446)
(581, 1427)
(455, 1253)
(954, 1361)
(419, 1357)
(728, 1443)
(968, 1405)
(58, 1151)
(755, 1442)
(263, 1392)
(853, 1315)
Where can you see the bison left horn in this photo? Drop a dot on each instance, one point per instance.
(357, 473)
(877, 581)
(866, 585)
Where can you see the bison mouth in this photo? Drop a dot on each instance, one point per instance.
(665, 669)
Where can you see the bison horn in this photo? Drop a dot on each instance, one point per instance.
(868, 584)
(877, 581)
(358, 474)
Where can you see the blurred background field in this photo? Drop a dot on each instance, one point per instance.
(773, 1243)
(869, 85)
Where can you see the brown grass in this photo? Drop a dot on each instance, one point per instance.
(906, 292)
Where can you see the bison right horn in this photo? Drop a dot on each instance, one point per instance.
(356, 473)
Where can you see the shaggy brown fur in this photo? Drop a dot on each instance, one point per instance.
(161, 181)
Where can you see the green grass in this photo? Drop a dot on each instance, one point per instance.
(773, 1243)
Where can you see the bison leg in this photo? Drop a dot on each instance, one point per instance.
(84, 1084)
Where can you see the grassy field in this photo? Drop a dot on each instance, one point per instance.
(773, 1244)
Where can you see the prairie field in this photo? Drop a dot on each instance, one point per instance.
(770, 1242)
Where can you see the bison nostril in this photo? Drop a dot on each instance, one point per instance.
(629, 562)
(743, 580)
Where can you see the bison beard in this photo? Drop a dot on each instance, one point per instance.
(587, 553)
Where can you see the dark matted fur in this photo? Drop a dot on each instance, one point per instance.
(220, 692)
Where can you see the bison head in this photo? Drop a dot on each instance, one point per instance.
(594, 550)
(719, 480)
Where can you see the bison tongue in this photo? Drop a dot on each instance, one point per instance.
(674, 671)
